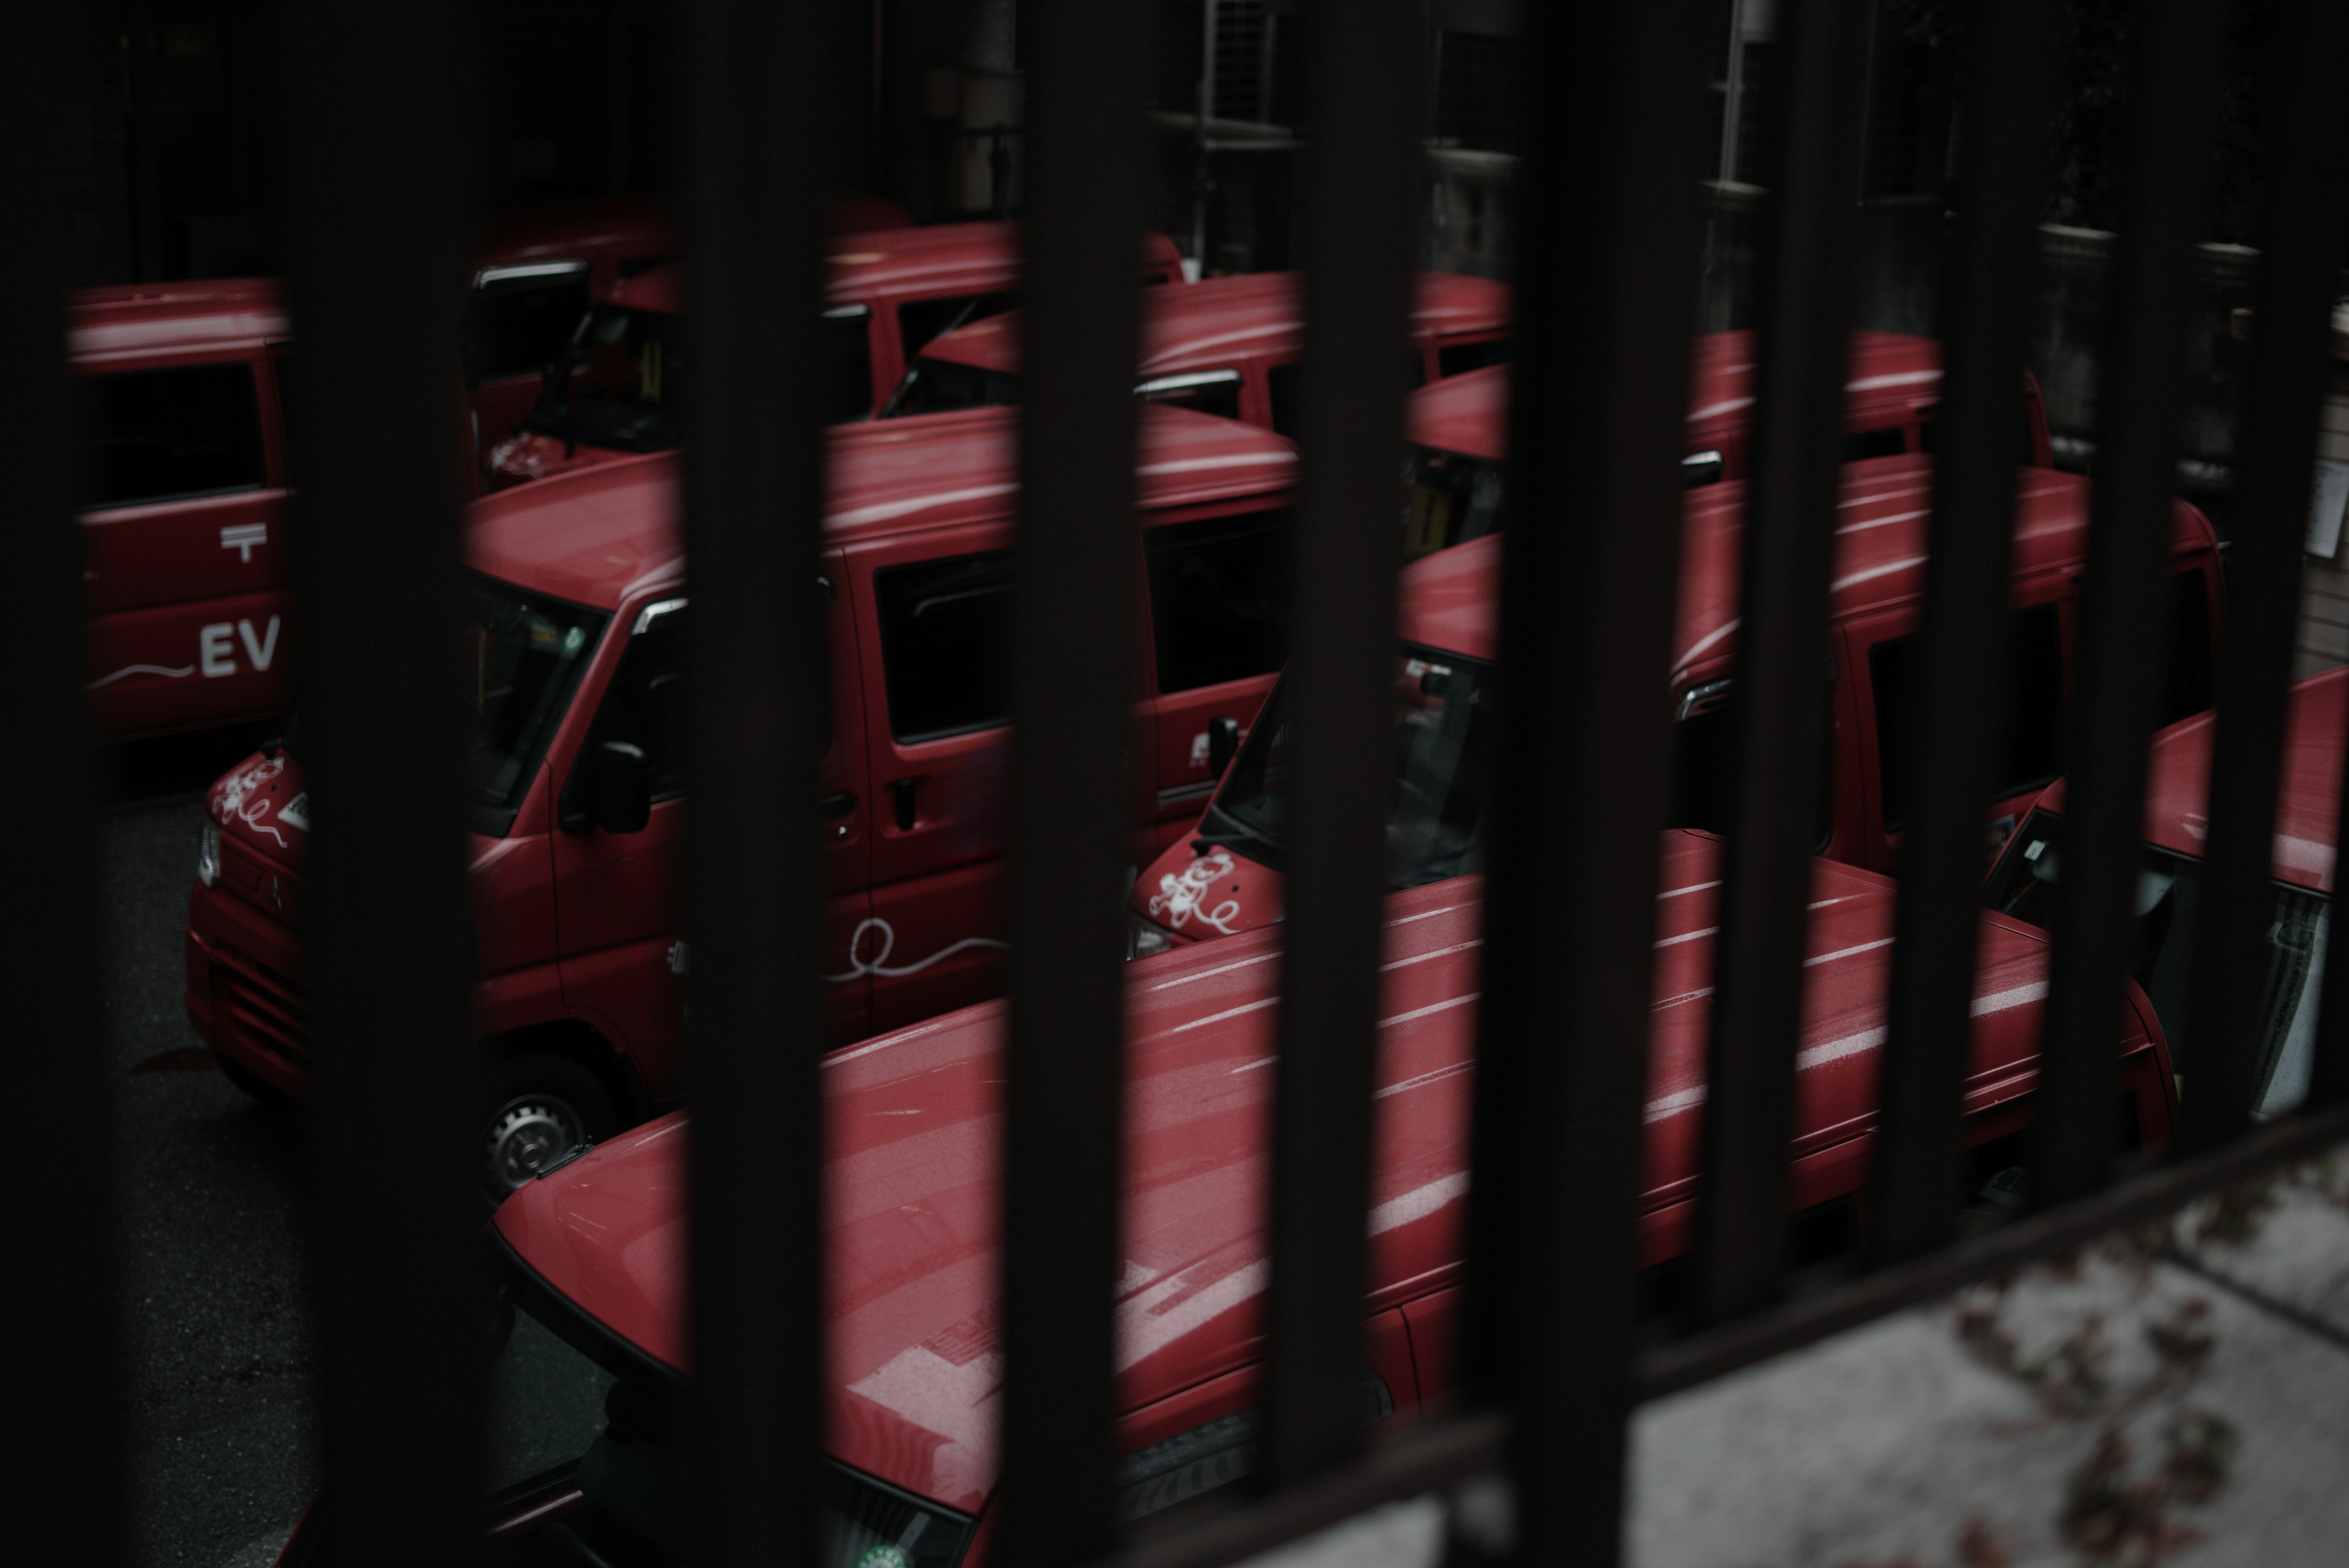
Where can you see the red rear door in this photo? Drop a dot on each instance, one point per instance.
(185, 496)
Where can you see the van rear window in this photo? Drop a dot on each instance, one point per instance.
(169, 435)
(1218, 597)
(946, 645)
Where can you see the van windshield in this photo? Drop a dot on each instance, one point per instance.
(936, 386)
(1450, 498)
(1443, 736)
(583, 1434)
(618, 383)
(525, 653)
(2161, 947)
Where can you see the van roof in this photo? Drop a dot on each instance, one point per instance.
(195, 313)
(915, 1133)
(1448, 599)
(2178, 784)
(1207, 324)
(1891, 371)
(594, 535)
(635, 225)
(890, 264)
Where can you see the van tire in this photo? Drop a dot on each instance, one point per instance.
(249, 1081)
(536, 1108)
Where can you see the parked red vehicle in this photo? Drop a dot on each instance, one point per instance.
(612, 393)
(579, 605)
(594, 1253)
(2178, 786)
(184, 502)
(1227, 877)
(1459, 427)
(1225, 345)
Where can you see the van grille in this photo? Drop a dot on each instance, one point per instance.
(262, 1006)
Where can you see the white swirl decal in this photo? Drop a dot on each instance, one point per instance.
(858, 968)
(165, 670)
(238, 788)
(1182, 899)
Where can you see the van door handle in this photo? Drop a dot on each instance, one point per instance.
(839, 805)
(904, 790)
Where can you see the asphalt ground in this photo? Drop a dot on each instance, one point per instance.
(221, 1348)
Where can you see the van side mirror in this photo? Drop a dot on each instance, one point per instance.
(1223, 743)
(622, 788)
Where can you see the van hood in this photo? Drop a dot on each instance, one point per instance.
(1195, 894)
(913, 1119)
(263, 808)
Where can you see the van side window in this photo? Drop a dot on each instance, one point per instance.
(646, 704)
(1217, 599)
(1861, 445)
(847, 354)
(166, 435)
(2186, 675)
(1705, 770)
(2032, 753)
(520, 326)
(919, 320)
(946, 645)
(1457, 359)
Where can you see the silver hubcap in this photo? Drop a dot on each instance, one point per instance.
(530, 1133)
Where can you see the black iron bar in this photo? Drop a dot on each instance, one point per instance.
(381, 130)
(2304, 215)
(1608, 263)
(765, 135)
(1986, 294)
(2163, 178)
(75, 1465)
(1779, 719)
(1064, 1103)
(1361, 235)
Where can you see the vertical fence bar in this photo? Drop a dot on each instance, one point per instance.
(1064, 1105)
(2303, 199)
(2013, 68)
(1609, 191)
(2163, 177)
(762, 134)
(1780, 718)
(381, 144)
(1361, 235)
(75, 1464)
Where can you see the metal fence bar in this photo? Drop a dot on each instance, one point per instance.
(1063, 1178)
(76, 1462)
(2163, 180)
(1361, 235)
(1779, 715)
(380, 127)
(765, 133)
(2303, 201)
(1987, 293)
(1609, 191)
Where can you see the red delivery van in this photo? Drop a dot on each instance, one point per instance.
(612, 392)
(184, 502)
(593, 1254)
(1225, 345)
(579, 601)
(2161, 949)
(1227, 877)
(1460, 427)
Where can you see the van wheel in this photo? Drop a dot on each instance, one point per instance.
(246, 1079)
(538, 1108)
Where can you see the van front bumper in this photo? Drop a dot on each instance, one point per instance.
(246, 996)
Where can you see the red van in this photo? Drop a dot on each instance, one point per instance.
(613, 390)
(1460, 427)
(1227, 877)
(580, 602)
(184, 502)
(587, 1382)
(2161, 949)
(1226, 346)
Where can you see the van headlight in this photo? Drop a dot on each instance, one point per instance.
(1143, 938)
(208, 854)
